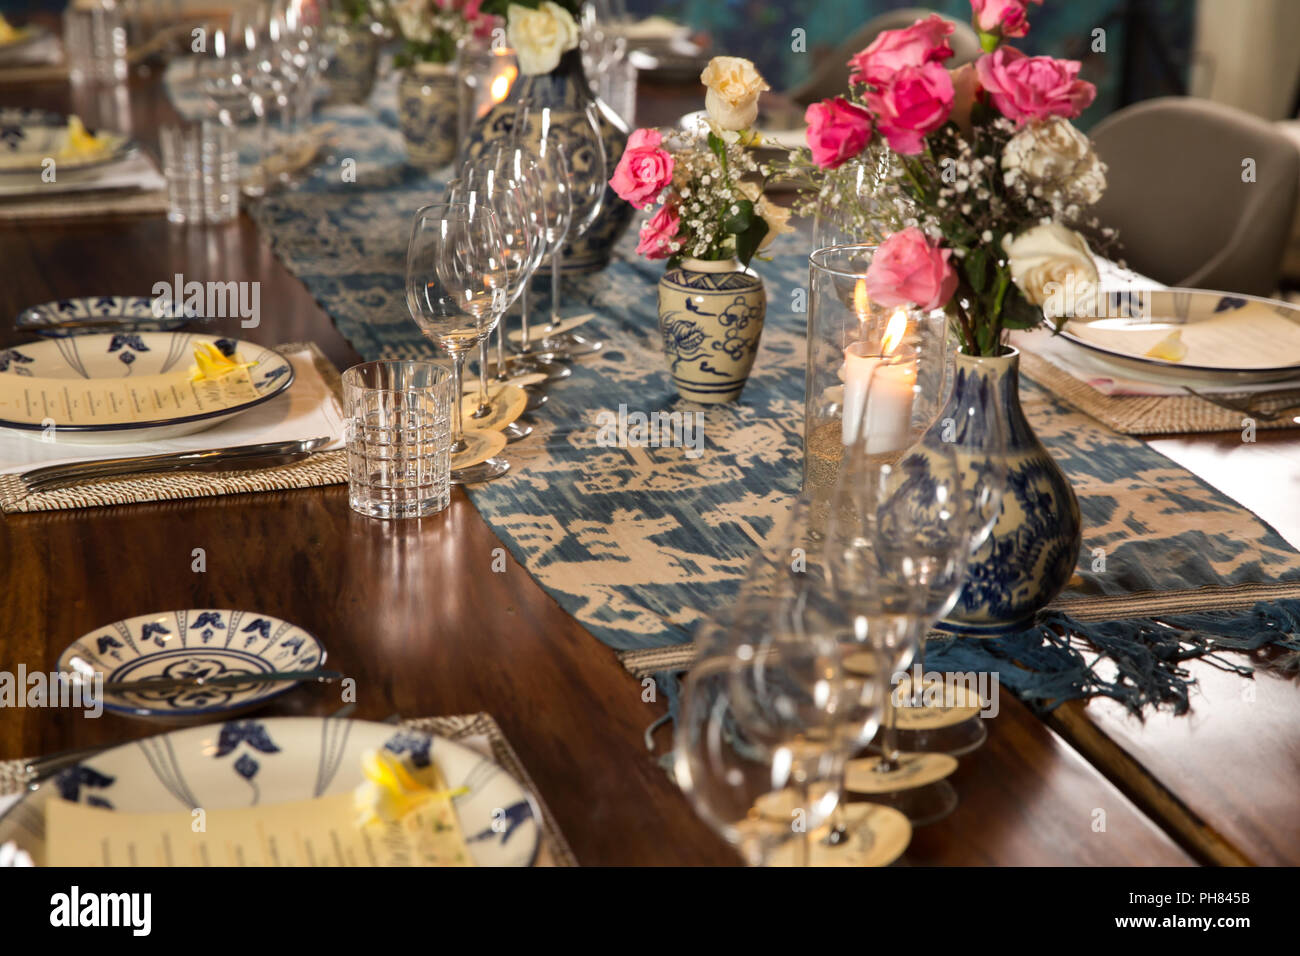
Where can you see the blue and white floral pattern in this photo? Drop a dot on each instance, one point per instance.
(189, 644)
(711, 323)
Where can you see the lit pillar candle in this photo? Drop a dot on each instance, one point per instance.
(878, 391)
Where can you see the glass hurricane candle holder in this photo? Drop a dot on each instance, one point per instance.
(487, 75)
(865, 368)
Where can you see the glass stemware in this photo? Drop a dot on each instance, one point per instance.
(484, 184)
(570, 152)
(456, 281)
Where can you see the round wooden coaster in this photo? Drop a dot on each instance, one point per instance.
(877, 836)
(546, 330)
(914, 770)
(480, 446)
(941, 705)
(507, 403)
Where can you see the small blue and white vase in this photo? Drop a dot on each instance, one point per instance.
(711, 318)
(1034, 547)
(428, 112)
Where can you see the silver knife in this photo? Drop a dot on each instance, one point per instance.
(215, 459)
(178, 683)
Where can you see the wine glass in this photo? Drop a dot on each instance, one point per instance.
(456, 280)
(760, 791)
(519, 166)
(897, 543)
(571, 153)
(483, 184)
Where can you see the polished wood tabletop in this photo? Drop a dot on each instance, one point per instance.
(415, 611)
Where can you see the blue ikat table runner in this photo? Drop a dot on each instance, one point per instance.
(640, 543)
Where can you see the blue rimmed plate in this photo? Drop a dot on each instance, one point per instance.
(134, 313)
(1230, 339)
(208, 643)
(121, 354)
(258, 762)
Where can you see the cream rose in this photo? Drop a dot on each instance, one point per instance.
(734, 85)
(1056, 156)
(414, 20)
(1053, 268)
(539, 37)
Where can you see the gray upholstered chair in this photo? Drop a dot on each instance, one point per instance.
(1176, 193)
(831, 78)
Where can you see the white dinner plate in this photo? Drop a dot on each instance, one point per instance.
(244, 763)
(121, 354)
(1230, 339)
(29, 137)
(199, 642)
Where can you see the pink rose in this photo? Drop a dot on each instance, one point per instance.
(837, 131)
(916, 102)
(658, 233)
(1025, 88)
(925, 41)
(644, 169)
(1009, 18)
(908, 268)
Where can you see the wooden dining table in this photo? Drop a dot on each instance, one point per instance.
(415, 611)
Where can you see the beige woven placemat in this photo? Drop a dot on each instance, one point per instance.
(477, 731)
(80, 205)
(1154, 414)
(322, 468)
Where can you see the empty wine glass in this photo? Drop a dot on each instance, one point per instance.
(456, 281)
(519, 166)
(483, 184)
(761, 792)
(568, 147)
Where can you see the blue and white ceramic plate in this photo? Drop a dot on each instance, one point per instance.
(192, 643)
(134, 313)
(246, 763)
(121, 354)
(1230, 339)
(30, 137)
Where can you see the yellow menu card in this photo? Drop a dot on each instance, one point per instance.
(118, 401)
(320, 832)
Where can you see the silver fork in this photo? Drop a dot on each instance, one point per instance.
(213, 459)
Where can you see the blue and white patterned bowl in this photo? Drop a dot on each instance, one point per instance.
(134, 313)
(246, 763)
(193, 643)
(122, 354)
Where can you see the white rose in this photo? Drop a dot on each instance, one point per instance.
(1053, 268)
(734, 85)
(1055, 155)
(414, 20)
(540, 36)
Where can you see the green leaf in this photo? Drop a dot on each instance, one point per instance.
(1018, 312)
(747, 242)
(717, 146)
(742, 220)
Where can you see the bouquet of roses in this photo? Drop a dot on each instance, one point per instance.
(433, 30)
(987, 180)
(709, 206)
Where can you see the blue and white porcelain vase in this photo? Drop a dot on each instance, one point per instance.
(1034, 546)
(567, 93)
(428, 112)
(351, 74)
(711, 318)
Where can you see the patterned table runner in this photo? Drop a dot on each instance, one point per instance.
(639, 543)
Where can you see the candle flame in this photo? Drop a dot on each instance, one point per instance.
(501, 85)
(894, 331)
(861, 304)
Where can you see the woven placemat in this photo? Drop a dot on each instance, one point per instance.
(1155, 414)
(322, 468)
(478, 731)
(81, 205)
